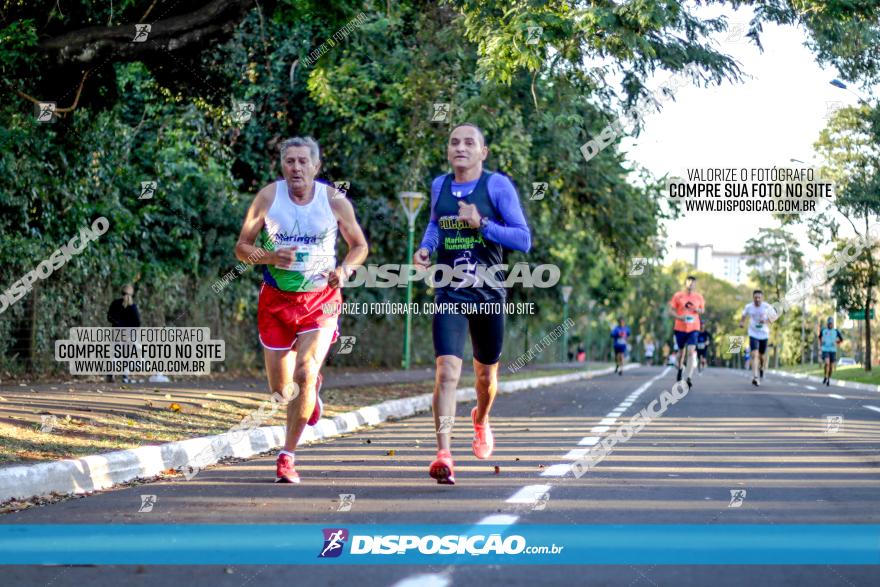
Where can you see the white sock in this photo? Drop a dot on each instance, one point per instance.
(286, 452)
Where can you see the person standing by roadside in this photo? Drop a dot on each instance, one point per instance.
(123, 313)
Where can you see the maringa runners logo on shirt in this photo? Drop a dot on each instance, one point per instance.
(280, 237)
(452, 223)
(334, 541)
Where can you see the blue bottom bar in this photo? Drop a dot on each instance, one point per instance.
(440, 544)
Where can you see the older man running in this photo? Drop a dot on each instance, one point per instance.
(291, 229)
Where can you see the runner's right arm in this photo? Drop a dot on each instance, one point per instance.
(670, 309)
(431, 239)
(245, 250)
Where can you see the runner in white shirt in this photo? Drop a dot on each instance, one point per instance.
(760, 315)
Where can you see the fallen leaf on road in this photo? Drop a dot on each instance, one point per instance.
(390, 453)
(167, 396)
(497, 470)
(174, 407)
(540, 466)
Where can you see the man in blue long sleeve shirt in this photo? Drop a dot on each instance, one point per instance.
(474, 215)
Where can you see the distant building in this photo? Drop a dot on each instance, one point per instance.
(725, 265)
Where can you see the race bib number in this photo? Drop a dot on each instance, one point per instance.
(621, 340)
(759, 326)
(689, 319)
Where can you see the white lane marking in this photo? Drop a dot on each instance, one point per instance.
(607, 422)
(792, 384)
(528, 494)
(835, 396)
(589, 440)
(498, 520)
(875, 408)
(426, 580)
(599, 429)
(576, 453)
(811, 387)
(559, 470)
(626, 404)
(614, 414)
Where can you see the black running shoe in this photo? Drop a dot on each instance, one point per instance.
(755, 381)
(689, 382)
(679, 376)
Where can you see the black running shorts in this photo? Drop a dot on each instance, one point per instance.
(486, 330)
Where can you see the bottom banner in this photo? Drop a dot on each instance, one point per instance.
(439, 544)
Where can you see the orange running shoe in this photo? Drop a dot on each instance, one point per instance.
(441, 469)
(484, 441)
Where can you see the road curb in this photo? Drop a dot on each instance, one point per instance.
(98, 472)
(834, 382)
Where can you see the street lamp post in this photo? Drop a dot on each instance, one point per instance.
(411, 203)
(590, 305)
(839, 84)
(566, 293)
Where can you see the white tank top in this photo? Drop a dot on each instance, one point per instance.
(311, 229)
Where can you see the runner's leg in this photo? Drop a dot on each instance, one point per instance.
(691, 359)
(312, 348)
(279, 370)
(445, 383)
(487, 387)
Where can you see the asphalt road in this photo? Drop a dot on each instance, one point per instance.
(775, 443)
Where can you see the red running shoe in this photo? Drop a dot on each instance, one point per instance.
(441, 469)
(319, 405)
(284, 471)
(484, 441)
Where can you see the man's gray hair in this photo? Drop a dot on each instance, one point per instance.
(312, 144)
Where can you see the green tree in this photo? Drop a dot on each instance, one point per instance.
(850, 148)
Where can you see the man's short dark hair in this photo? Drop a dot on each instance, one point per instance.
(474, 126)
(757, 291)
(690, 277)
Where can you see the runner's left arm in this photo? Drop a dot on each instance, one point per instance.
(514, 233)
(354, 238)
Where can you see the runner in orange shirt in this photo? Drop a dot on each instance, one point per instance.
(686, 307)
